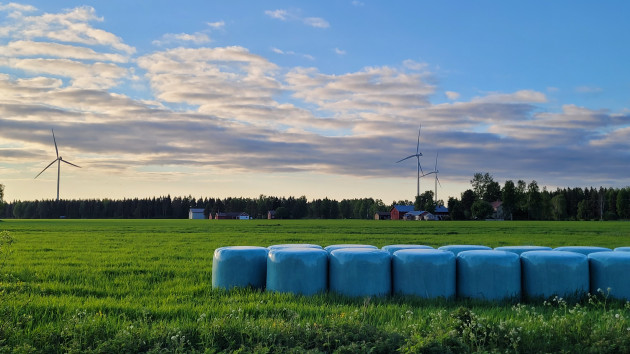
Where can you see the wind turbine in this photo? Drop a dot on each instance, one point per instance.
(437, 180)
(59, 160)
(417, 156)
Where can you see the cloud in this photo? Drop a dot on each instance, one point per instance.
(47, 49)
(216, 25)
(290, 52)
(451, 95)
(316, 22)
(588, 89)
(177, 38)
(285, 15)
(340, 52)
(71, 26)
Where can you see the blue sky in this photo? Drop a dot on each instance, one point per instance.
(310, 98)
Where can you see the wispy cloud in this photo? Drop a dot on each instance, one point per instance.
(216, 25)
(178, 38)
(286, 15)
(290, 52)
(588, 89)
(451, 95)
(340, 52)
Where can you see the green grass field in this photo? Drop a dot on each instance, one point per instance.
(145, 285)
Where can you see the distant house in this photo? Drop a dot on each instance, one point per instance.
(232, 216)
(271, 214)
(497, 209)
(441, 212)
(382, 215)
(413, 215)
(196, 213)
(398, 211)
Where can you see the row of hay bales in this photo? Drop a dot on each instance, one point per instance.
(463, 271)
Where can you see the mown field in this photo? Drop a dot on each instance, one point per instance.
(145, 286)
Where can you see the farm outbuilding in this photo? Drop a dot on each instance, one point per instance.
(382, 215)
(196, 213)
(398, 211)
(232, 216)
(271, 214)
(441, 212)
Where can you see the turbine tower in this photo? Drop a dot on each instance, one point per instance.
(417, 156)
(437, 180)
(59, 160)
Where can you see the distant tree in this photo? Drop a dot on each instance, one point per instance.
(481, 209)
(282, 213)
(468, 198)
(1, 198)
(508, 196)
(455, 209)
(534, 201)
(559, 207)
(623, 203)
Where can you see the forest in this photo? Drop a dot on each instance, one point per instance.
(520, 201)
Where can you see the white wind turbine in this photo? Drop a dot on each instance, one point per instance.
(59, 160)
(437, 180)
(417, 156)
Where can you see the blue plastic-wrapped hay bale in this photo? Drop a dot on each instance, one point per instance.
(585, 250)
(427, 273)
(297, 270)
(622, 249)
(239, 266)
(393, 248)
(549, 273)
(488, 275)
(520, 249)
(460, 248)
(360, 272)
(610, 274)
(350, 245)
(294, 245)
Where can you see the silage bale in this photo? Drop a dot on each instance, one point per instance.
(622, 249)
(520, 249)
(610, 274)
(393, 248)
(239, 266)
(585, 250)
(427, 273)
(460, 248)
(548, 273)
(488, 275)
(360, 272)
(294, 245)
(297, 270)
(349, 245)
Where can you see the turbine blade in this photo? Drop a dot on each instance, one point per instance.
(45, 168)
(419, 165)
(55, 141)
(418, 146)
(408, 157)
(69, 163)
(438, 180)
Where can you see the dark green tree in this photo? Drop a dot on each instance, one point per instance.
(481, 209)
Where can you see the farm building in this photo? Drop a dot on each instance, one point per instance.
(398, 211)
(271, 214)
(232, 216)
(196, 213)
(382, 215)
(419, 215)
(441, 212)
(497, 209)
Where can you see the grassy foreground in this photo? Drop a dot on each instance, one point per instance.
(145, 285)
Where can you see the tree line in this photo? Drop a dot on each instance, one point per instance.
(167, 207)
(520, 201)
(527, 201)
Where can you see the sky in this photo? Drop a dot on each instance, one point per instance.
(316, 99)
